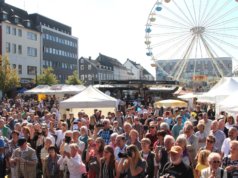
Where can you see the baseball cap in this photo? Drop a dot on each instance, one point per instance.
(176, 149)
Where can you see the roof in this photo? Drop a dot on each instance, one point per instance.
(134, 63)
(12, 12)
(109, 61)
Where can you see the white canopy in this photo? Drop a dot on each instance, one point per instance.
(89, 98)
(56, 89)
(225, 87)
(40, 89)
(230, 103)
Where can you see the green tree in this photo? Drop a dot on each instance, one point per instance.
(47, 77)
(8, 76)
(74, 79)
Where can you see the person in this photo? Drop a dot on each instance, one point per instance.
(176, 167)
(93, 156)
(108, 163)
(232, 135)
(106, 132)
(182, 142)
(2, 159)
(202, 162)
(51, 166)
(152, 135)
(134, 139)
(162, 154)
(121, 146)
(149, 156)
(177, 127)
(5, 131)
(44, 153)
(74, 162)
(25, 160)
(214, 170)
(230, 162)
(219, 135)
(201, 135)
(210, 144)
(132, 165)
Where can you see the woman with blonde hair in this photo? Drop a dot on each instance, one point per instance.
(202, 162)
(131, 163)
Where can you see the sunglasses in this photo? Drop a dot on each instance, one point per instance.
(210, 141)
(216, 162)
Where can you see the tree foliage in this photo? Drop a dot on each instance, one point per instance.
(8, 76)
(74, 79)
(47, 77)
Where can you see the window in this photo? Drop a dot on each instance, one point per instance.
(14, 31)
(89, 77)
(8, 30)
(81, 67)
(19, 69)
(16, 20)
(31, 51)
(8, 47)
(82, 61)
(31, 70)
(14, 66)
(19, 32)
(31, 36)
(89, 67)
(4, 16)
(19, 49)
(14, 48)
(82, 77)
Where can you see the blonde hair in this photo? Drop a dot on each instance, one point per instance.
(202, 157)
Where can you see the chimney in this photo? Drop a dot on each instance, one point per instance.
(89, 58)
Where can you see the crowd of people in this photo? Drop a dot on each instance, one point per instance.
(141, 142)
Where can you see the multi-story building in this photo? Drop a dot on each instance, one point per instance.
(139, 72)
(34, 42)
(120, 72)
(20, 41)
(59, 47)
(91, 71)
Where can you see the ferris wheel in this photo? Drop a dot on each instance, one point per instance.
(186, 32)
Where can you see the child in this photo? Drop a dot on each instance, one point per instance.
(202, 162)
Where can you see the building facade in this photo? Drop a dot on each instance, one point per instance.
(59, 48)
(20, 42)
(34, 42)
(139, 73)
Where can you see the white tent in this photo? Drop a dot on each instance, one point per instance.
(225, 87)
(230, 103)
(89, 98)
(40, 89)
(56, 89)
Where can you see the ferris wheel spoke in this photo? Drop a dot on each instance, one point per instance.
(218, 46)
(224, 22)
(195, 14)
(173, 21)
(204, 12)
(210, 54)
(222, 29)
(182, 12)
(222, 41)
(221, 17)
(213, 14)
(176, 45)
(200, 47)
(189, 12)
(167, 41)
(225, 35)
(178, 16)
(170, 27)
(214, 52)
(168, 34)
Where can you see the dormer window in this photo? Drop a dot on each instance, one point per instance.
(16, 19)
(3, 15)
(28, 23)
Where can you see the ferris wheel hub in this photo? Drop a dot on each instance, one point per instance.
(197, 30)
